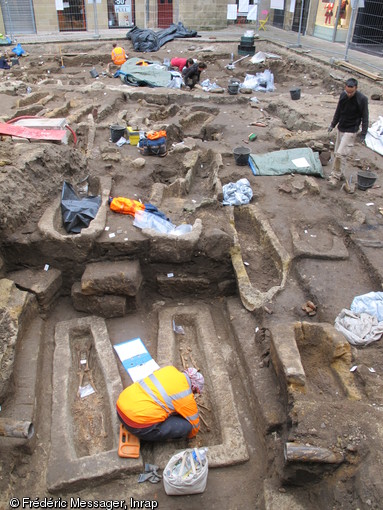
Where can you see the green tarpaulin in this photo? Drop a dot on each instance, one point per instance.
(152, 75)
(291, 161)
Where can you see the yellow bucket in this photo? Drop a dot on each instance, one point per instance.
(134, 136)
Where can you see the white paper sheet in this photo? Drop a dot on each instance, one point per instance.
(276, 4)
(136, 359)
(59, 5)
(243, 5)
(252, 14)
(232, 11)
(301, 163)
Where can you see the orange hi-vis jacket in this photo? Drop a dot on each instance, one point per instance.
(167, 391)
(118, 56)
(124, 205)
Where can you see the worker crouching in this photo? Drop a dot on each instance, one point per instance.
(162, 406)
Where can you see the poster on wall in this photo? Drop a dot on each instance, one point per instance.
(277, 4)
(292, 6)
(122, 6)
(252, 14)
(59, 5)
(232, 11)
(243, 5)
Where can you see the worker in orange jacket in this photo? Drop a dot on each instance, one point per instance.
(162, 406)
(118, 55)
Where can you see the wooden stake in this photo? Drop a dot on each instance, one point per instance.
(61, 56)
(205, 407)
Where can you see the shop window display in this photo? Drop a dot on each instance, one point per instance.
(328, 12)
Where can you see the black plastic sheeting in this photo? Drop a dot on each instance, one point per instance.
(145, 40)
(77, 212)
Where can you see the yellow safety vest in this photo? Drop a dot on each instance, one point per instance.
(118, 56)
(167, 391)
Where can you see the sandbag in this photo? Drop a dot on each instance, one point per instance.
(186, 472)
(77, 212)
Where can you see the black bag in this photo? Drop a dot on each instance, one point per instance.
(152, 147)
(77, 212)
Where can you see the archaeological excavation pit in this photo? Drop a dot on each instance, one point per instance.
(84, 428)
(230, 283)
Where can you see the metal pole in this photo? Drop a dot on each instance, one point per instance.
(9, 19)
(336, 21)
(300, 25)
(298, 45)
(257, 3)
(354, 6)
(96, 34)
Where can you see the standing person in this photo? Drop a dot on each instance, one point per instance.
(350, 113)
(193, 73)
(181, 63)
(162, 406)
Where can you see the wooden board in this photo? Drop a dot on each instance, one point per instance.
(56, 135)
(373, 76)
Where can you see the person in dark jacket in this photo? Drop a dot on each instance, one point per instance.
(193, 73)
(350, 113)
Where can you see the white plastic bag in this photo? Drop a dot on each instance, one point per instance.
(186, 472)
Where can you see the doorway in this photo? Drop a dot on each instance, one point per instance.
(164, 13)
(72, 17)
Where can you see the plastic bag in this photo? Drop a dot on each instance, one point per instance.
(371, 303)
(186, 472)
(18, 50)
(144, 219)
(77, 212)
(263, 82)
(239, 193)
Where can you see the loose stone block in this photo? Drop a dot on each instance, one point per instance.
(46, 285)
(118, 277)
(107, 306)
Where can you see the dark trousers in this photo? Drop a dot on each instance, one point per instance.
(175, 427)
(190, 82)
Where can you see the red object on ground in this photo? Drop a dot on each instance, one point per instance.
(32, 133)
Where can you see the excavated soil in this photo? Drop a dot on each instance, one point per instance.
(32, 175)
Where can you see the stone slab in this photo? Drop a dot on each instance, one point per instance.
(285, 355)
(107, 306)
(232, 447)
(65, 469)
(122, 277)
(45, 285)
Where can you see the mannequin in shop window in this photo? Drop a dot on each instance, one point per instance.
(328, 13)
(342, 13)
